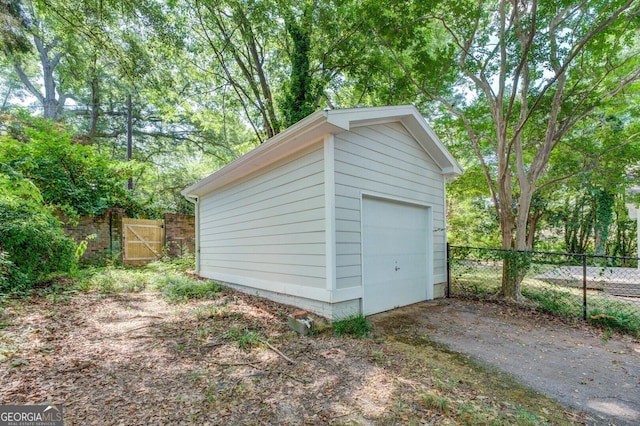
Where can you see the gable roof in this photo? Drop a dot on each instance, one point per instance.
(313, 128)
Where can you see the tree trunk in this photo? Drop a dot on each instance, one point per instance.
(513, 225)
(50, 102)
(513, 269)
(95, 108)
(129, 138)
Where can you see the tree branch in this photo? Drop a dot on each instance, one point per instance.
(27, 83)
(577, 49)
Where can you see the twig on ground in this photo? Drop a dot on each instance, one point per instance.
(289, 360)
(236, 364)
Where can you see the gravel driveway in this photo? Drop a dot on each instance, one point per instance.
(580, 366)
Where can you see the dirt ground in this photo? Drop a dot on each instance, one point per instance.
(135, 359)
(579, 366)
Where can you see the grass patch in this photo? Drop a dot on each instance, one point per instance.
(245, 339)
(210, 311)
(355, 325)
(6, 351)
(168, 277)
(524, 417)
(615, 319)
(439, 404)
(484, 413)
(180, 288)
(111, 280)
(464, 392)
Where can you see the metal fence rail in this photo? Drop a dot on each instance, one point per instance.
(599, 289)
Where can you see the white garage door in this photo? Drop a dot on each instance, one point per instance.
(394, 249)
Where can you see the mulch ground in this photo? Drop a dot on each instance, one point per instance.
(135, 359)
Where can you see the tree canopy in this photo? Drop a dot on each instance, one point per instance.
(538, 100)
(71, 177)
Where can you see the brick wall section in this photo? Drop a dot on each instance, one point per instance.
(180, 234)
(107, 229)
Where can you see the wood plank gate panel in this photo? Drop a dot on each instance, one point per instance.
(142, 240)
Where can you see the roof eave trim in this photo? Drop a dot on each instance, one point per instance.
(306, 132)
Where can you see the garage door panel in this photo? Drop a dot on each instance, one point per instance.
(391, 241)
(395, 294)
(394, 254)
(396, 267)
(405, 216)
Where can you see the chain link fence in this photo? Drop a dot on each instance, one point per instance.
(603, 290)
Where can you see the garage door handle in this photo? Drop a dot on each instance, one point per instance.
(397, 268)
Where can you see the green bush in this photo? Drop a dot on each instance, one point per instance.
(33, 242)
(76, 178)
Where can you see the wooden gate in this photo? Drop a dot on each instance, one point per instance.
(142, 240)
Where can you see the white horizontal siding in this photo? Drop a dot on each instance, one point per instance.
(268, 229)
(255, 195)
(386, 160)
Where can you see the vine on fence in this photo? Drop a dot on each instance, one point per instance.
(565, 284)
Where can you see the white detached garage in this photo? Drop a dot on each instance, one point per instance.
(342, 213)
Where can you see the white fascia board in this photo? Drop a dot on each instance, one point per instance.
(358, 117)
(433, 146)
(304, 133)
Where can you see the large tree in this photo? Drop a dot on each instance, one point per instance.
(43, 84)
(519, 77)
(276, 60)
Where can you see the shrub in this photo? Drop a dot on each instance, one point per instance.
(34, 244)
(75, 178)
